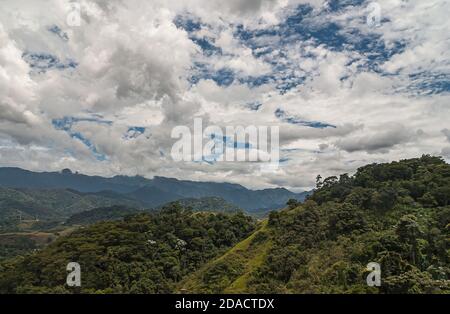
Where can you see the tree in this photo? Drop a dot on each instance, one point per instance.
(319, 181)
(428, 200)
(409, 232)
(384, 198)
(292, 203)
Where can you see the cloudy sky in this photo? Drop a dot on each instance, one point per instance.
(102, 97)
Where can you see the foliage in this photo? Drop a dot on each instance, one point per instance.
(23, 204)
(141, 254)
(206, 204)
(396, 214)
(100, 214)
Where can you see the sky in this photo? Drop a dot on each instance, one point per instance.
(347, 82)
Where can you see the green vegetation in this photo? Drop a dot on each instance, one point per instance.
(13, 244)
(145, 253)
(229, 273)
(207, 204)
(395, 214)
(101, 214)
(27, 204)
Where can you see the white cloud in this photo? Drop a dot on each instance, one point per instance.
(134, 66)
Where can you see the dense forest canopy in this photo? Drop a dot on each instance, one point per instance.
(145, 253)
(395, 214)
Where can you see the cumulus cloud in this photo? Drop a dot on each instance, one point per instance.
(446, 132)
(379, 141)
(103, 97)
(446, 152)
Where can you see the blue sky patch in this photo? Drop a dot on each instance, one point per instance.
(188, 23)
(201, 71)
(55, 29)
(41, 62)
(273, 44)
(428, 83)
(254, 106)
(283, 116)
(134, 132)
(66, 124)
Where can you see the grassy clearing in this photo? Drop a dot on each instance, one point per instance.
(230, 272)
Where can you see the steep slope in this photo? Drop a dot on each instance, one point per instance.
(394, 214)
(230, 272)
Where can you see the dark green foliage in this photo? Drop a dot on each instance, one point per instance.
(221, 274)
(18, 246)
(345, 219)
(395, 214)
(101, 214)
(413, 281)
(424, 180)
(145, 253)
(292, 203)
(206, 204)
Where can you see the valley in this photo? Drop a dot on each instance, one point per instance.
(395, 214)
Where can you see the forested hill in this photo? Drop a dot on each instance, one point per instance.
(206, 204)
(55, 204)
(88, 217)
(395, 214)
(144, 253)
(117, 212)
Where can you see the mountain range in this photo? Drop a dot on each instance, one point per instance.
(146, 192)
(394, 215)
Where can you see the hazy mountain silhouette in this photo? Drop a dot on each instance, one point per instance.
(151, 192)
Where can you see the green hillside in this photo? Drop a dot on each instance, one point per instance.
(27, 204)
(395, 214)
(88, 217)
(145, 253)
(230, 272)
(207, 204)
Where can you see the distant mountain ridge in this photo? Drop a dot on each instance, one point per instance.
(55, 203)
(151, 192)
(118, 212)
(92, 216)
